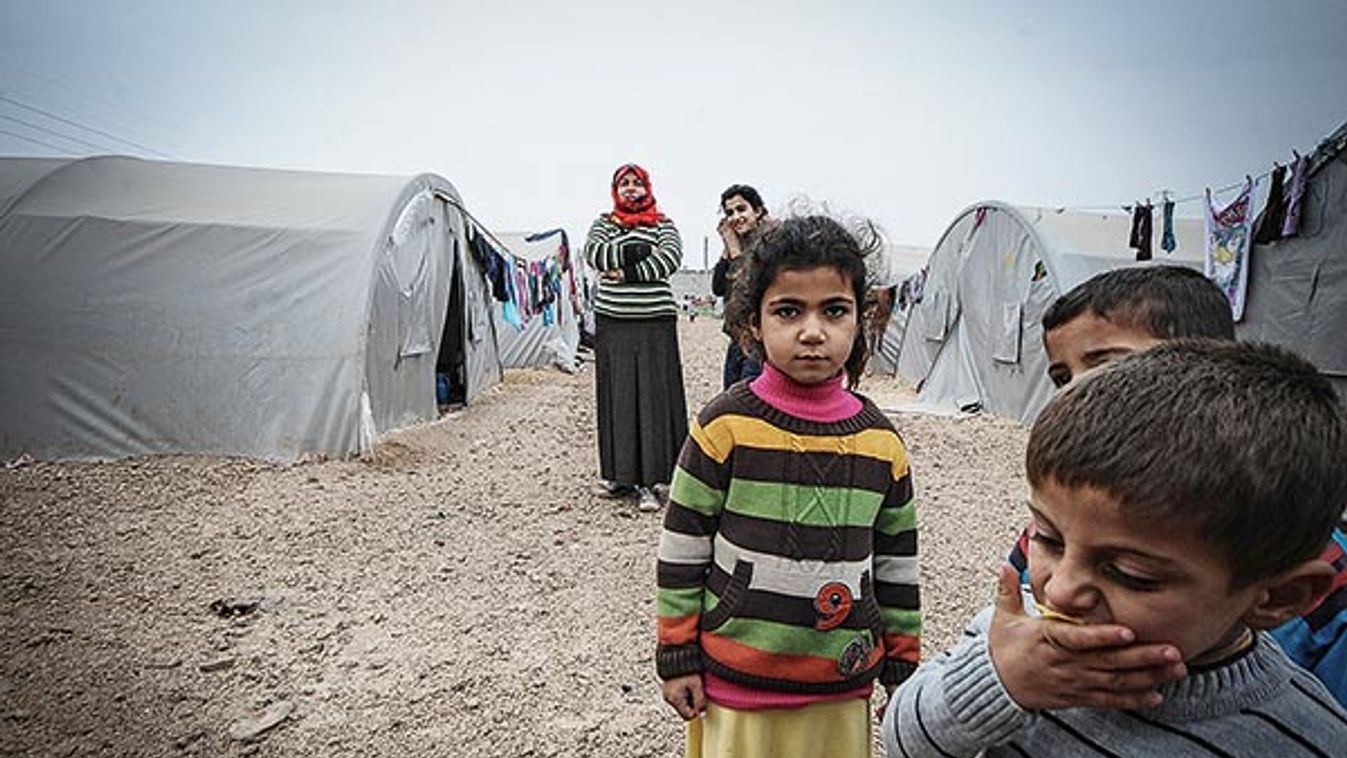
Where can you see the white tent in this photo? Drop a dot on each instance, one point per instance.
(150, 307)
(974, 340)
(552, 340)
(1297, 291)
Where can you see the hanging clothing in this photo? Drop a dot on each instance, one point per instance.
(1299, 169)
(1142, 231)
(1268, 227)
(496, 269)
(1228, 236)
(1167, 242)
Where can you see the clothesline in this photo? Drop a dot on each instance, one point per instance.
(528, 288)
(450, 199)
(1177, 201)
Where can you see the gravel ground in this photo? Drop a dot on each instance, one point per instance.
(462, 592)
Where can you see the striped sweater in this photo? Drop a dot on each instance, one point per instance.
(788, 557)
(647, 255)
(1257, 704)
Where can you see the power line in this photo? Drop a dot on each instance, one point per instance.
(78, 125)
(54, 133)
(34, 141)
(108, 104)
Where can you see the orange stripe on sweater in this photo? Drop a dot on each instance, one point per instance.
(903, 647)
(678, 630)
(796, 668)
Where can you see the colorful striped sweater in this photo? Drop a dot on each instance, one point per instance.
(788, 560)
(647, 255)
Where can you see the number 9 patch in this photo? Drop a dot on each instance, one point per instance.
(833, 603)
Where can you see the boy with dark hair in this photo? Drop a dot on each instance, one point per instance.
(1180, 498)
(1123, 311)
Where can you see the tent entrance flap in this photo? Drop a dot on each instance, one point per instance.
(451, 369)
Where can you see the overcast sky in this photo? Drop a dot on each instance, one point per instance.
(905, 112)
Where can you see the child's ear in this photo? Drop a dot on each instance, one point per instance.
(1290, 594)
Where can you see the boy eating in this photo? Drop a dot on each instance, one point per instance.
(1122, 311)
(1181, 499)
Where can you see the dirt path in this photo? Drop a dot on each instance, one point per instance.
(462, 593)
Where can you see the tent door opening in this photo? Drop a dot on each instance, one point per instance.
(451, 363)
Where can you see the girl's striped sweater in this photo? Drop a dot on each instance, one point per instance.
(788, 558)
(647, 255)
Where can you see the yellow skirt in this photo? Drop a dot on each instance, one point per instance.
(835, 729)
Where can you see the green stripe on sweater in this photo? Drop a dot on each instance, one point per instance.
(689, 492)
(783, 639)
(679, 602)
(901, 621)
(891, 521)
(797, 504)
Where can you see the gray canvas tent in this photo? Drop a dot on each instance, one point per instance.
(150, 307)
(539, 343)
(974, 339)
(1297, 289)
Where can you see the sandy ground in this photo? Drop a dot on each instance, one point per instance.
(461, 593)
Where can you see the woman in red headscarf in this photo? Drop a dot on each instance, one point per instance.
(642, 412)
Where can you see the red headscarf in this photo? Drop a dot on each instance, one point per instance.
(643, 212)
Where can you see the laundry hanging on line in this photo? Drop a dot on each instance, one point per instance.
(1228, 237)
(1142, 231)
(1167, 242)
(1268, 226)
(1299, 170)
(527, 289)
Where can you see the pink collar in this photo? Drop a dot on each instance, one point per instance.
(823, 402)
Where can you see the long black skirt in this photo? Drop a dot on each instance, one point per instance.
(642, 411)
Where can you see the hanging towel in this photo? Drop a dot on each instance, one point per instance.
(510, 313)
(1167, 220)
(1228, 232)
(1142, 231)
(1268, 227)
(1291, 226)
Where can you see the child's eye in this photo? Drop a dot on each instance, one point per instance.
(837, 311)
(786, 311)
(1128, 580)
(1047, 541)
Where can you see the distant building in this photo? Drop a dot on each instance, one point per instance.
(690, 283)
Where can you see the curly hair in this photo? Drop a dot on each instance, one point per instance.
(802, 242)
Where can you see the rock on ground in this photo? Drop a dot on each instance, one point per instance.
(460, 593)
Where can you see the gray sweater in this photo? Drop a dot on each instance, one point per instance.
(1258, 704)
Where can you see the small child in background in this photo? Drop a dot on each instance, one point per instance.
(788, 567)
(1180, 500)
(1126, 310)
(1123, 311)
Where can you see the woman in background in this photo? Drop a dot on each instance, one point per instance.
(745, 217)
(642, 412)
